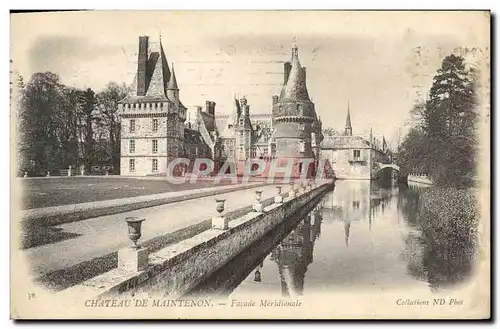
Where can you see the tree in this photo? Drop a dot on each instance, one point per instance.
(39, 122)
(60, 126)
(330, 132)
(70, 130)
(88, 116)
(417, 114)
(449, 122)
(16, 92)
(413, 152)
(108, 112)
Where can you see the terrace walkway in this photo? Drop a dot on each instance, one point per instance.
(97, 237)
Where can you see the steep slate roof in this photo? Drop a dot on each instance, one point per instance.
(156, 81)
(158, 77)
(193, 136)
(295, 88)
(172, 82)
(208, 121)
(344, 142)
(164, 64)
(294, 99)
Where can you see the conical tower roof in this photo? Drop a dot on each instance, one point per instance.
(295, 88)
(158, 77)
(158, 73)
(172, 83)
(164, 63)
(348, 118)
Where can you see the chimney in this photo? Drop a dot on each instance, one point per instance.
(275, 99)
(141, 65)
(207, 106)
(198, 109)
(212, 108)
(288, 67)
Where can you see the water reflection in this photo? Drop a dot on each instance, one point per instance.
(359, 236)
(287, 244)
(356, 201)
(295, 253)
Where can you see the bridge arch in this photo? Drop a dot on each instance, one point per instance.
(381, 166)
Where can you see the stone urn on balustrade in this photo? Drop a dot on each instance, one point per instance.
(258, 207)
(278, 198)
(220, 205)
(134, 230)
(292, 193)
(134, 258)
(220, 222)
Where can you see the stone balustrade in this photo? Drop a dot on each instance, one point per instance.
(178, 268)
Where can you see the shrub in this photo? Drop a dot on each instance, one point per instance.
(448, 219)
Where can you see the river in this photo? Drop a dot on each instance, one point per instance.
(359, 236)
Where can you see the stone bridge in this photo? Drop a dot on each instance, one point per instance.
(378, 167)
(381, 166)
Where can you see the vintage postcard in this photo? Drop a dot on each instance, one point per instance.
(250, 165)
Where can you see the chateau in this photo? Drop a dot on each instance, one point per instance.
(155, 132)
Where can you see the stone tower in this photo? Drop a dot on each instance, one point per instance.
(294, 117)
(152, 115)
(243, 132)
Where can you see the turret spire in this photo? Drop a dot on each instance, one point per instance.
(295, 49)
(348, 127)
(172, 83)
(295, 88)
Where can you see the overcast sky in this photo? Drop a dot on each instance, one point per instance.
(376, 61)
